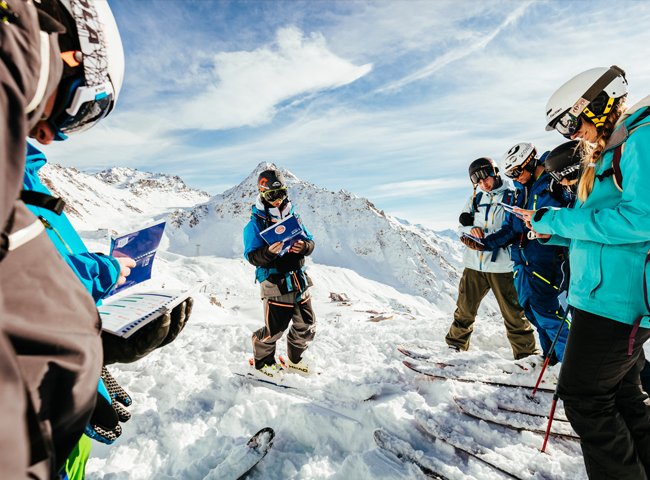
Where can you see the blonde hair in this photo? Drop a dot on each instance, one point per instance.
(591, 152)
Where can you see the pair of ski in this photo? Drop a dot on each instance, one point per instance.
(528, 414)
(335, 410)
(520, 417)
(464, 447)
(434, 467)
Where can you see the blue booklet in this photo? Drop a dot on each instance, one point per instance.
(288, 231)
(140, 246)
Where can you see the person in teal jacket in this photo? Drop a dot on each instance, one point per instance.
(608, 234)
(99, 273)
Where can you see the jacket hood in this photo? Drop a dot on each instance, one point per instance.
(34, 159)
(644, 102)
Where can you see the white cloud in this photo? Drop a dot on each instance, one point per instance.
(418, 188)
(251, 84)
(455, 54)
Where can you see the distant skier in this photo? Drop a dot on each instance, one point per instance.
(283, 280)
(537, 271)
(488, 270)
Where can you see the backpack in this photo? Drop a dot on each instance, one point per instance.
(615, 170)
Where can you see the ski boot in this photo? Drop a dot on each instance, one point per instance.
(267, 372)
(300, 368)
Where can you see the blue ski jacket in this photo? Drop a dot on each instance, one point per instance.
(609, 233)
(98, 273)
(253, 241)
(542, 262)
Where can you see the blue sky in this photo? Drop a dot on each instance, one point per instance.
(390, 100)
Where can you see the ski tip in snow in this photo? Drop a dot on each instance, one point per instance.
(262, 441)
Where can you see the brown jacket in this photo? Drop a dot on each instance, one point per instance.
(50, 350)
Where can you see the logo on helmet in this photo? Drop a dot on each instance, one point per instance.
(578, 107)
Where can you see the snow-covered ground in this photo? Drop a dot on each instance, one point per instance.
(190, 409)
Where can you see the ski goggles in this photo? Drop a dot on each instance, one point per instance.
(275, 194)
(572, 172)
(515, 172)
(479, 175)
(568, 124)
(80, 106)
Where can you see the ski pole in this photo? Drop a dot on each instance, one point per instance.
(550, 353)
(550, 420)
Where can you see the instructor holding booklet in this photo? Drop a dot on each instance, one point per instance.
(484, 270)
(283, 280)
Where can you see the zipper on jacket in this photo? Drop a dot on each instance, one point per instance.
(49, 226)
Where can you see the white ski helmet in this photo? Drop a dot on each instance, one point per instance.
(522, 156)
(591, 92)
(94, 64)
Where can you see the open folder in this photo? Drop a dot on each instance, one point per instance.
(125, 315)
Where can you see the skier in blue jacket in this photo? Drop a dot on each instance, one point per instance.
(537, 269)
(284, 283)
(99, 273)
(608, 234)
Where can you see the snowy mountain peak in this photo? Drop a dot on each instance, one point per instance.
(249, 184)
(136, 181)
(119, 198)
(349, 232)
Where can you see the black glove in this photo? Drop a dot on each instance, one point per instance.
(138, 345)
(104, 425)
(466, 219)
(472, 243)
(179, 317)
(540, 213)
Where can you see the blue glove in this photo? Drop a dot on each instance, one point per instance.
(104, 425)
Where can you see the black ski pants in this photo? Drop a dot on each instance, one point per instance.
(601, 389)
(280, 310)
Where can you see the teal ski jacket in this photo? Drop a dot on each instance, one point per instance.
(97, 272)
(609, 234)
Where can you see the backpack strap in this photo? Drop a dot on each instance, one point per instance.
(476, 201)
(615, 171)
(43, 200)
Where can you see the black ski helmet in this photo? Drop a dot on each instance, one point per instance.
(270, 180)
(482, 168)
(564, 161)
